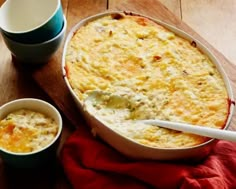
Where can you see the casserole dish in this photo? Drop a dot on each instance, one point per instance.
(118, 140)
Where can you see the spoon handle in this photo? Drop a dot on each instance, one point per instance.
(195, 129)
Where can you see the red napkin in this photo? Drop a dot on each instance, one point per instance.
(90, 163)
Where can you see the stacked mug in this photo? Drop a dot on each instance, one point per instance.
(31, 29)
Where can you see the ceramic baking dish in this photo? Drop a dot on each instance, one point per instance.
(128, 146)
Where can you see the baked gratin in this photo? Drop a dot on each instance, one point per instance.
(24, 131)
(163, 75)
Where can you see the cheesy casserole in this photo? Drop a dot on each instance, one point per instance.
(25, 131)
(165, 76)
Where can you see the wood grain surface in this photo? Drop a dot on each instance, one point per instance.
(214, 20)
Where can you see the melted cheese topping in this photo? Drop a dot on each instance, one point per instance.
(26, 131)
(165, 76)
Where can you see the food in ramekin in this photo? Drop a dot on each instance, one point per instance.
(166, 76)
(24, 131)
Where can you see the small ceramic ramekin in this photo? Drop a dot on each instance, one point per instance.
(42, 156)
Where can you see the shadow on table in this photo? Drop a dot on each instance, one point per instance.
(46, 177)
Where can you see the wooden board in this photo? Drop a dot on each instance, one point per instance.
(50, 78)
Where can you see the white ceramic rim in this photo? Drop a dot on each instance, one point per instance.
(175, 30)
(60, 123)
(32, 29)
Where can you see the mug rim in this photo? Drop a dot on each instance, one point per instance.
(11, 32)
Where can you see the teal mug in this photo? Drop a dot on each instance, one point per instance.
(31, 21)
(37, 53)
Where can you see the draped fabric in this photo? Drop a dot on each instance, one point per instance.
(90, 163)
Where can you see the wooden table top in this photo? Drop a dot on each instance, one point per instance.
(213, 20)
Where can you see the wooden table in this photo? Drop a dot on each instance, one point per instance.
(213, 20)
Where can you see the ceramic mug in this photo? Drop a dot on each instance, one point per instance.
(37, 53)
(31, 21)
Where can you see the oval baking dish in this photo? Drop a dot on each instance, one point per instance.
(125, 144)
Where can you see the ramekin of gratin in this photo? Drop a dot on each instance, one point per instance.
(166, 74)
(29, 132)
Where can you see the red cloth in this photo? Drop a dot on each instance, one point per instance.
(90, 163)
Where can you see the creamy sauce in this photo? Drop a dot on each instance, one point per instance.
(26, 131)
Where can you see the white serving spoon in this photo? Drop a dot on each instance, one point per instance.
(117, 101)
